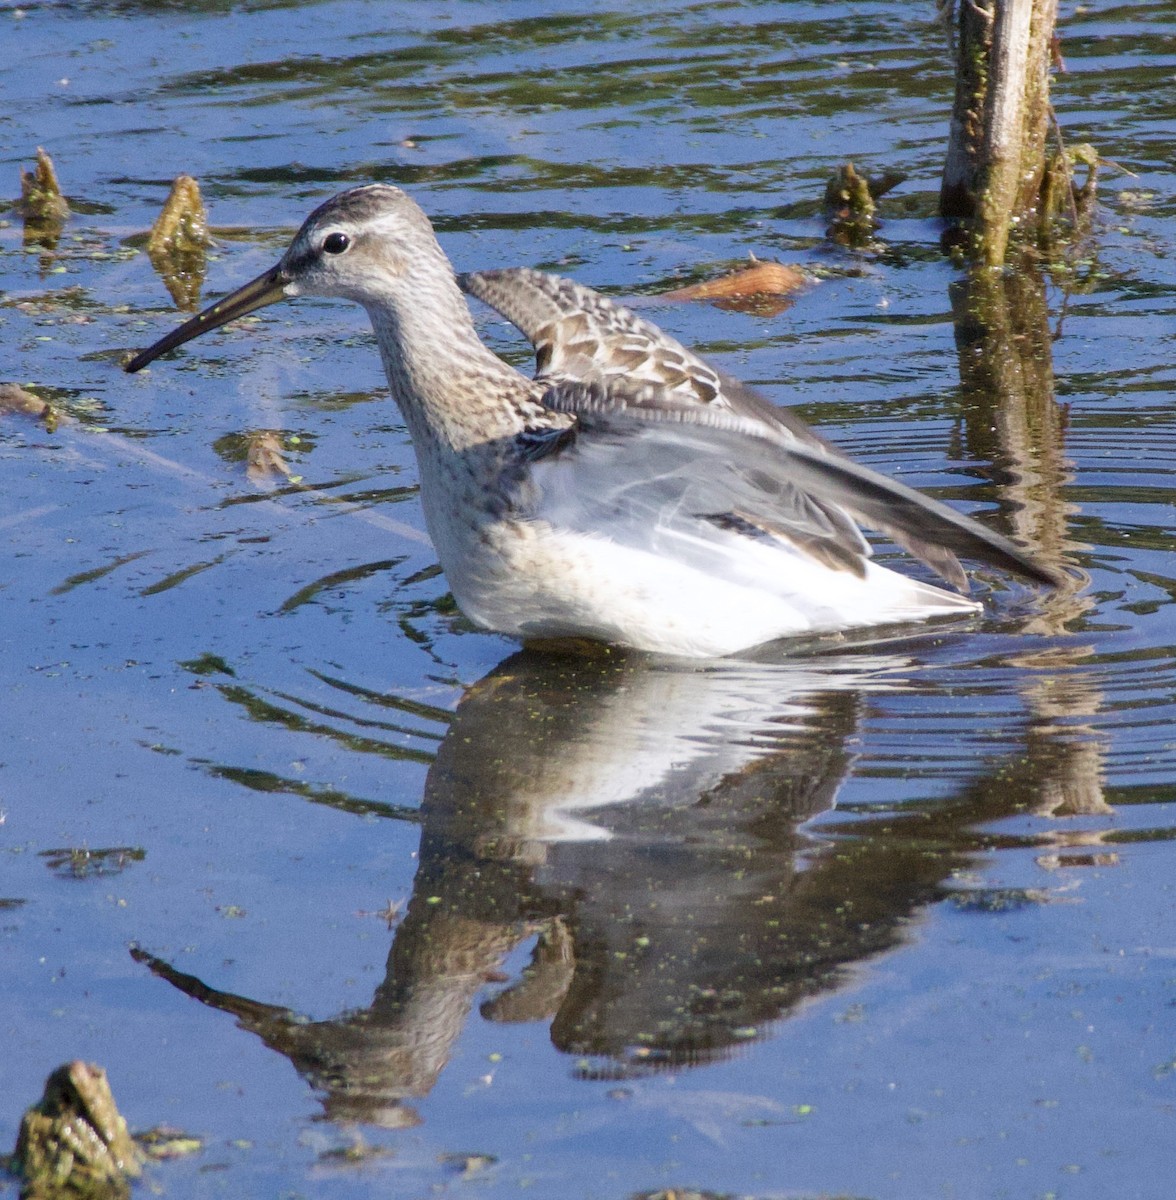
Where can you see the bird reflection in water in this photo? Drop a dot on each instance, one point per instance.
(648, 827)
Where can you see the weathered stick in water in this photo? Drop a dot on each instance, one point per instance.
(1000, 120)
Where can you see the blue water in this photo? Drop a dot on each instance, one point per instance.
(886, 918)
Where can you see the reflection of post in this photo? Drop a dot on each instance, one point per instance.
(1011, 417)
(1059, 698)
(1013, 420)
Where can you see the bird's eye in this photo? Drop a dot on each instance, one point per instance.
(336, 243)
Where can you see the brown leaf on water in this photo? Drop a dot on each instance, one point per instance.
(765, 288)
(178, 242)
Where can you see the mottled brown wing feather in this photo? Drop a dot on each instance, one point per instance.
(599, 359)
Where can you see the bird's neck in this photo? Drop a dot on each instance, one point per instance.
(453, 391)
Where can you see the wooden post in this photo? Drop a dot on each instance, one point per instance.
(1000, 121)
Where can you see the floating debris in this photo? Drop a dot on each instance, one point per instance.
(1001, 900)
(163, 1143)
(42, 205)
(682, 1194)
(765, 288)
(1067, 207)
(14, 398)
(182, 225)
(179, 241)
(263, 451)
(848, 193)
(208, 664)
(390, 913)
(357, 1154)
(77, 862)
(1060, 862)
(469, 1165)
(41, 201)
(53, 406)
(850, 200)
(265, 457)
(75, 1143)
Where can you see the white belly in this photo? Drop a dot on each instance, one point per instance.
(532, 581)
(654, 580)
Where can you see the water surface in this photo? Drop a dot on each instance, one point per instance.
(309, 865)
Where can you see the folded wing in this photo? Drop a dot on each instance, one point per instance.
(707, 448)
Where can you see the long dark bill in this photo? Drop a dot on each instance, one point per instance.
(265, 289)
